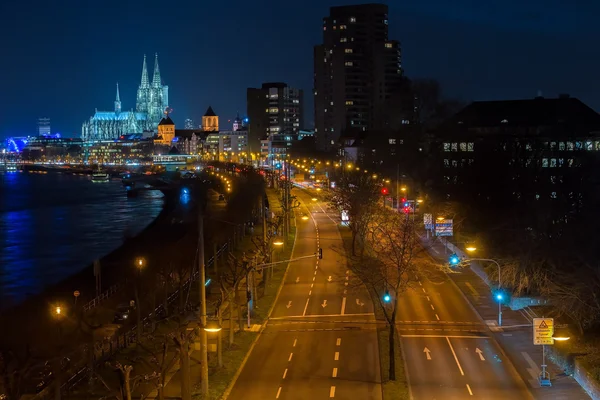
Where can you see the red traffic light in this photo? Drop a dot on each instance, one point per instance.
(384, 191)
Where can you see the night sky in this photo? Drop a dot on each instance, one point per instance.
(62, 59)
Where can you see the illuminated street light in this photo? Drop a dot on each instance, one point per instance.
(278, 242)
(140, 262)
(440, 218)
(471, 248)
(212, 326)
(58, 310)
(305, 217)
(314, 199)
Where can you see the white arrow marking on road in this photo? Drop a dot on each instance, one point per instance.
(297, 279)
(324, 304)
(329, 279)
(359, 303)
(480, 355)
(289, 304)
(427, 351)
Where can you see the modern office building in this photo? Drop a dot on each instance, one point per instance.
(357, 70)
(43, 126)
(517, 153)
(273, 109)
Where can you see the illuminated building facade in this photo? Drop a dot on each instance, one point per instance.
(151, 101)
(210, 121)
(166, 131)
(128, 149)
(273, 109)
(227, 145)
(52, 148)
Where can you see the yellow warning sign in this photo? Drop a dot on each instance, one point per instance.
(543, 331)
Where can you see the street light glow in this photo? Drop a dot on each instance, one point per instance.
(471, 248)
(305, 217)
(58, 310)
(278, 242)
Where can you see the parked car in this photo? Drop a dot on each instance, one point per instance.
(123, 313)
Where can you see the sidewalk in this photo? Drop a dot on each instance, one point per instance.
(515, 340)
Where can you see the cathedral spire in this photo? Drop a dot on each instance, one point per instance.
(144, 74)
(118, 101)
(156, 81)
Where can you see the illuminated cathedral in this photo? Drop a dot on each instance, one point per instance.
(151, 101)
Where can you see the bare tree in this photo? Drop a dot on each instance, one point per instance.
(357, 194)
(14, 369)
(233, 274)
(126, 384)
(160, 358)
(387, 266)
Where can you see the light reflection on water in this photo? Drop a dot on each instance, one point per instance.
(54, 225)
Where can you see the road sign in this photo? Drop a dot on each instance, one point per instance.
(543, 331)
(427, 219)
(444, 228)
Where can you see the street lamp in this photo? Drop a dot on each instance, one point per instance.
(212, 326)
(305, 217)
(499, 296)
(278, 242)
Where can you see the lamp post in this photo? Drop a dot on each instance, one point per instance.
(139, 264)
(499, 295)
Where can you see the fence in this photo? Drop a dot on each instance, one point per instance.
(107, 348)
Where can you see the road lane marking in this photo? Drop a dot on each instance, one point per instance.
(291, 355)
(420, 284)
(343, 305)
(309, 292)
(336, 356)
(284, 373)
(438, 318)
(338, 342)
(311, 285)
(334, 374)
(315, 272)
(469, 389)
(478, 351)
(305, 307)
(324, 304)
(329, 315)
(455, 358)
(424, 290)
(289, 304)
(427, 353)
(432, 307)
(428, 299)
(347, 271)
(314, 278)
(295, 341)
(332, 391)
(278, 392)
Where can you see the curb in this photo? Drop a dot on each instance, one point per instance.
(264, 325)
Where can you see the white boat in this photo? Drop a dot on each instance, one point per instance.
(100, 176)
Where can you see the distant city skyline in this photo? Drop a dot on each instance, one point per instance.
(482, 53)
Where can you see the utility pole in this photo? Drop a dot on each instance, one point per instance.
(202, 312)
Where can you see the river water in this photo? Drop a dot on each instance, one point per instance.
(54, 225)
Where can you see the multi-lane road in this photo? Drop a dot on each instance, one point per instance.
(321, 340)
(449, 352)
